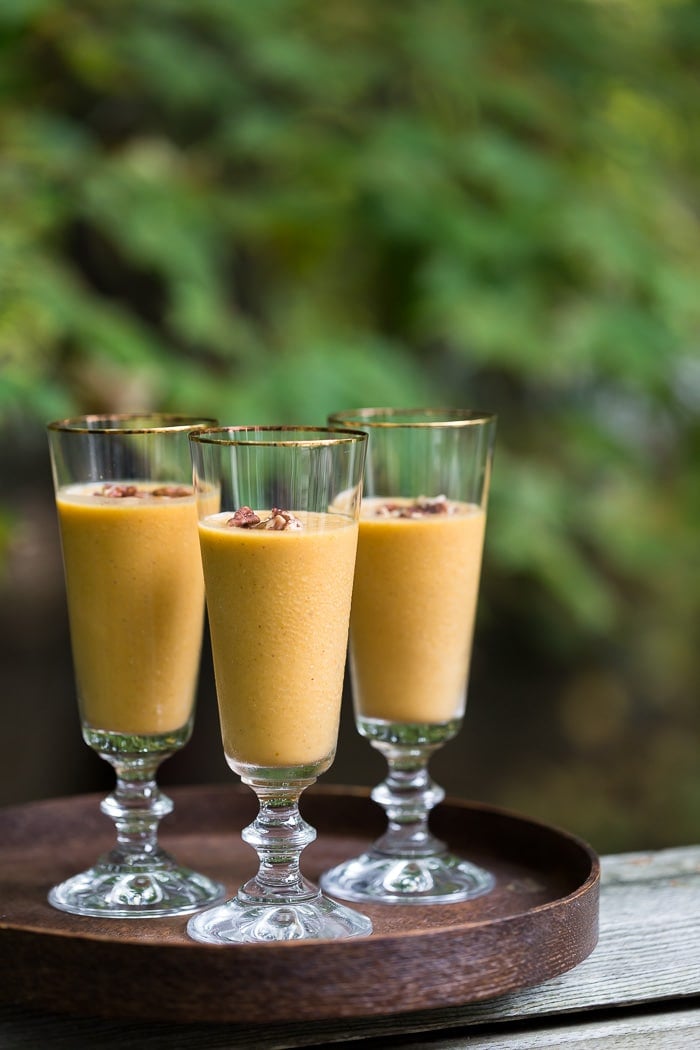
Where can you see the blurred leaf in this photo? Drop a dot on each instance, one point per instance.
(268, 211)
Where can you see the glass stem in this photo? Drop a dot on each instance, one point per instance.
(407, 795)
(278, 835)
(137, 805)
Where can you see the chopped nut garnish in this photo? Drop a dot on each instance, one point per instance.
(119, 491)
(246, 518)
(114, 491)
(423, 506)
(281, 519)
(172, 491)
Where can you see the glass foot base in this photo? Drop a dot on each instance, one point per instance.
(116, 891)
(240, 921)
(378, 877)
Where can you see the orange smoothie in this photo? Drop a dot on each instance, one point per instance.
(413, 609)
(279, 607)
(135, 595)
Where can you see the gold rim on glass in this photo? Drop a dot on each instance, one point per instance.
(222, 435)
(413, 417)
(98, 423)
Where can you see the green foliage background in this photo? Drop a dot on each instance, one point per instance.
(271, 210)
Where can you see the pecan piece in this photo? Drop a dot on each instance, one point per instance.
(281, 519)
(118, 491)
(421, 507)
(244, 518)
(436, 505)
(172, 491)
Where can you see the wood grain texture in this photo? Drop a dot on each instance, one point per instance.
(540, 920)
(672, 1030)
(668, 1030)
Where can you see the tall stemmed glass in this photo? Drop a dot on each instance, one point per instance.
(278, 567)
(135, 592)
(414, 604)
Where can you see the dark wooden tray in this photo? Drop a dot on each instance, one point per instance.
(540, 920)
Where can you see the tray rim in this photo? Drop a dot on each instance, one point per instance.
(448, 933)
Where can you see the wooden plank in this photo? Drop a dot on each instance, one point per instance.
(667, 1031)
(648, 953)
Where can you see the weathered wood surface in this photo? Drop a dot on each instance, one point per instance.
(677, 1030)
(639, 989)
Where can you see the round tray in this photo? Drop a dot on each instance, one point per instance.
(540, 920)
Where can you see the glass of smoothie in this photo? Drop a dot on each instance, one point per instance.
(413, 609)
(135, 590)
(279, 558)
